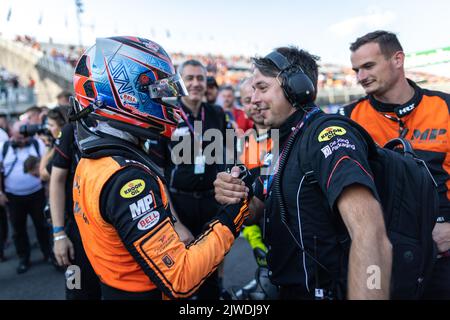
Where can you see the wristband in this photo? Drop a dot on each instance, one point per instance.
(58, 229)
(59, 237)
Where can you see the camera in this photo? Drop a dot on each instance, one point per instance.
(29, 130)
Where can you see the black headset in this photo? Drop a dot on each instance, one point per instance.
(297, 86)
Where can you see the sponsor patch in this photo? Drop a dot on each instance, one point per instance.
(141, 207)
(132, 188)
(326, 151)
(329, 133)
(179, 132)
(148, 221)
(168, 261)
(151, 45)
(164, 242)
(335, 145)
(128, 98)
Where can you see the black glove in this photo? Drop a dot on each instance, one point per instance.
(233, 216)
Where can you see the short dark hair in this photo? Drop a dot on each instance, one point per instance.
(191, 62)
(59, 114)
(296, 57)
(33, 109)
(64, 94)
(211, 82)
(227, 88)
(387, 41)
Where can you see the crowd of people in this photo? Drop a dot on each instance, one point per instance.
(66, 54)
(231, 69)
(27, 145)
(13, 91)
(147, 204)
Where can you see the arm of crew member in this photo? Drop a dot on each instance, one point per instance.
(256, 208)
(441, 235)
(229, 189)
(43, 173)
(363, 217)
(3, 198)
(63, 248)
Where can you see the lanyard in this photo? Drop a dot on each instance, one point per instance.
(298, 127)
(185, 118)
(403, 131)
(191, 129)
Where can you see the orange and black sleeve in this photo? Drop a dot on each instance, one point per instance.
(134, 202)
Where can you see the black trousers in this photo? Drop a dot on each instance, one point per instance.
(90, 284)
(19, 207)
(3, 229)
(195, 213)
(439, 286)
(110, 293)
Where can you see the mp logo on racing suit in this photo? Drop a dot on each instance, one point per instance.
(141, 207)
(132, 188)
(329, 133)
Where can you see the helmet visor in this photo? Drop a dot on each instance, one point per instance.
(170, 87)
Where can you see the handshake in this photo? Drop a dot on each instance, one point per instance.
(232, 190)
(234, 186)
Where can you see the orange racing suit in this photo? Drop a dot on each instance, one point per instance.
(123, 214)
(424, 121)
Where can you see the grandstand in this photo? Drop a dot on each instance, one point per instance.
(337, 83)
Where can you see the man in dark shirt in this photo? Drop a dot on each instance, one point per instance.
(68, 249)
(324, 232)
(191, 182)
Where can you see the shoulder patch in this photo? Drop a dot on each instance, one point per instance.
(149, 220)
(329, 133)
(132, 188)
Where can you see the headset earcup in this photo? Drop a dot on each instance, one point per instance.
(300, 88)
(285, 87)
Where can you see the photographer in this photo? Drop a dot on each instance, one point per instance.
(24, 193)
(33, 115)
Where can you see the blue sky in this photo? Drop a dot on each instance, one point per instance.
(247, 27)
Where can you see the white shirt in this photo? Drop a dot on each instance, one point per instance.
(3, 135)
(18, 182)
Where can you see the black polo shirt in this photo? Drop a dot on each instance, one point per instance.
(65, 157)
(182, 176)
(338, 155)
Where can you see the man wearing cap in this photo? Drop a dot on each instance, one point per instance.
(212, 90)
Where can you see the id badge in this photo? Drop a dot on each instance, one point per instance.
(239, 145)
(199, 162)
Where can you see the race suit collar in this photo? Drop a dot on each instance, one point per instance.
(288, 126)
(400, 110)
